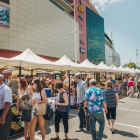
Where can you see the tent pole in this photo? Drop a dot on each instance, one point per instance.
(94, 75)
(19, 71)
(69, 84)
(32, 73)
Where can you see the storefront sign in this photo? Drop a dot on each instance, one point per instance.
(82, 50)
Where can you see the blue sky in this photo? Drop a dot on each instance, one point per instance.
(122, 18)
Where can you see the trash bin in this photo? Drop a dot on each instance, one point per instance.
(48, 92)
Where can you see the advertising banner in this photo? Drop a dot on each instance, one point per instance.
(4, 16)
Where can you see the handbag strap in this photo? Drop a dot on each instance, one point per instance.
(40, 95)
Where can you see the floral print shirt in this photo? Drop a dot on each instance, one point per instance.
(95, 98)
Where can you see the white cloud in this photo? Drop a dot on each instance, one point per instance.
(102, 4)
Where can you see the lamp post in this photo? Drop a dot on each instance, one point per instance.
(75, 30)
(137, 57)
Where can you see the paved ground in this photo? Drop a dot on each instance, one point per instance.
(127, 125)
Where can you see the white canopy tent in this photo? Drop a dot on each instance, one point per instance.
(5, 62)
(132, 72)
(124, 70)
(70, 65)
(137, 71)
(31, 60)
(105, 67)
(115, 69)
(132, 69)
(87, 63)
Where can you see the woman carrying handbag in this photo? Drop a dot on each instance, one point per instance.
(24, 105)
(39, 109)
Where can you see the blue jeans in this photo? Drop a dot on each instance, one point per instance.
(99, 117)
(81, 115)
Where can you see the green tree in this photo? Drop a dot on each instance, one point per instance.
(125, 65)
(130, 65)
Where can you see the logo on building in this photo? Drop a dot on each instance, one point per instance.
(80, 9)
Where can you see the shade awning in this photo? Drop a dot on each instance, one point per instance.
(70, 65)
(30, 59)
(105, 67)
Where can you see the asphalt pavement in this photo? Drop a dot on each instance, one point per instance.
(127, 125)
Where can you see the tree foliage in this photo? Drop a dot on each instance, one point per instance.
(130, 65)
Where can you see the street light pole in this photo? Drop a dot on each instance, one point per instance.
(112, 48)
(137, 57)
(75, 33)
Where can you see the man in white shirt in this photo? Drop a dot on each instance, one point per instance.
(5, 110)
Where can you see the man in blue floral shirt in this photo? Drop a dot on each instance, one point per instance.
(95, 101)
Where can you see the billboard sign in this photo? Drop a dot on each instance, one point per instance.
(4, 16)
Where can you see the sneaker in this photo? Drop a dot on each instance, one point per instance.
(108, 126)
(81, 129)
(112, 129)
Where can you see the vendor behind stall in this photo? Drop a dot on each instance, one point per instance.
(13, 84)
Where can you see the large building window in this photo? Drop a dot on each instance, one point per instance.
(95, 37)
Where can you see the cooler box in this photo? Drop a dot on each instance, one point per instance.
(48, 92)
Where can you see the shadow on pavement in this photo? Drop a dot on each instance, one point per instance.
(126, 134)
(122, 96)
(121, 102)
(88, 132)
(74, 139)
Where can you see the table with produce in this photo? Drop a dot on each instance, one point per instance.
(17, 126)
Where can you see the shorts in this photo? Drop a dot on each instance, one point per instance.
(111, 114)
(131, 90)
(34, 111)
(25, 115)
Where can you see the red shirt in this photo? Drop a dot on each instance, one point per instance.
(130, 84)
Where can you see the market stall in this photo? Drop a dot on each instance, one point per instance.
(17, 126)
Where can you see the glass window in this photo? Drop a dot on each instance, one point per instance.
(95, 37)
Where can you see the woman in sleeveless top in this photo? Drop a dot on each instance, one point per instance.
(131, 86)
(39, 96)
(62, 110)
(24, 104)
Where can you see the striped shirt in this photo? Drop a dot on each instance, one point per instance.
(110, 95)
(81, 89)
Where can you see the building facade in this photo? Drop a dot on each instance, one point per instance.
(45, 26)
(41, 25)
(111, 56)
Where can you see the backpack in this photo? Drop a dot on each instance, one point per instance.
(49, 112)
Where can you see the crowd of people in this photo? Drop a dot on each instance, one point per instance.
(98, 98)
